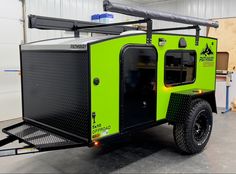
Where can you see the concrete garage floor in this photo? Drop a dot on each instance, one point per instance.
(152, 151)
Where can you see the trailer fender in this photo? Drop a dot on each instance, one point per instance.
(180, 103)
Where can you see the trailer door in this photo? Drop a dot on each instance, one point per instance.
(138, 78)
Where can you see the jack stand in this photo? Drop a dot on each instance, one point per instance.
(228, 80)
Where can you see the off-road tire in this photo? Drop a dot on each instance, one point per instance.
(185, 133)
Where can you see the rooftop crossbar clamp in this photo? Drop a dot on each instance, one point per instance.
(143, 13)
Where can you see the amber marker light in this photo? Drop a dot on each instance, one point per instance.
(167, 88)
(96, 143)
(198, 91)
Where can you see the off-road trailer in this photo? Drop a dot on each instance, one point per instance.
(81, 91)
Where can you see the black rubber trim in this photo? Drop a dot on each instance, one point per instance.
(89, 95)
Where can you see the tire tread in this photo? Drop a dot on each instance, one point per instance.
(182, 131)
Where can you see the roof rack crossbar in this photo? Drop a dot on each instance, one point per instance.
(175, 29)
(138, 12)
(111, 24)
(51, 23)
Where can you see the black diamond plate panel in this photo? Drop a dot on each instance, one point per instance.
(56, 90)
(180, 103)
(179, 106)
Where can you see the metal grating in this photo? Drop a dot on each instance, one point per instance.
(39, 138)
(56, 90)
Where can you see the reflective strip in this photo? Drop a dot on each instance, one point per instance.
(7, 152)
(27, 150)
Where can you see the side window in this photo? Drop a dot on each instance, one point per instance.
(180, 67)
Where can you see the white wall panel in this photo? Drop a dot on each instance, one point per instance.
(10, 9)
(10, 96)
(11, 34)
(11, 31)
(9, 57)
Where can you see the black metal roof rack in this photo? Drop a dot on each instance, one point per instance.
(50, 23)
(143, 13)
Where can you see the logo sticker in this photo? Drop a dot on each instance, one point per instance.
(207, 57)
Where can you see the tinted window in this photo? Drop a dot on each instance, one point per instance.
(180, 67)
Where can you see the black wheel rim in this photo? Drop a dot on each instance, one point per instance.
(201, 126)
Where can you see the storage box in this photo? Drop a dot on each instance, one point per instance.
(106, 18)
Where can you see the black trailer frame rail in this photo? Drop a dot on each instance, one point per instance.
(36, 140)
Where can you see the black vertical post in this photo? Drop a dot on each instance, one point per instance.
(149, 31)
(76, 30)
(197, 35)
(76, 33)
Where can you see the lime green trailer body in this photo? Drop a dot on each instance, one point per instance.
(105, 56)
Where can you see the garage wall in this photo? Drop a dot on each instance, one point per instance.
(11, 34)
(198, 8)
(69, 9)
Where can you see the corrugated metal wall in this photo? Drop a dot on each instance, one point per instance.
(207, 9)
(69, 9)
